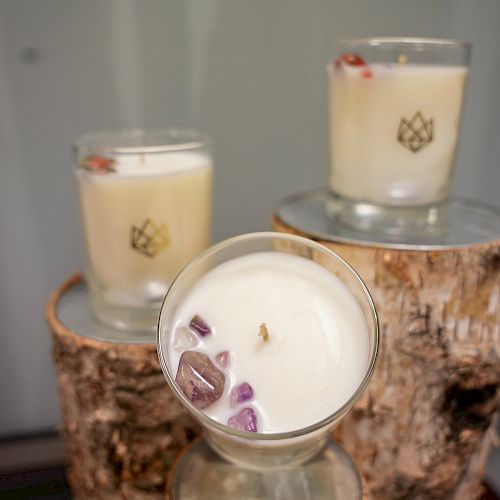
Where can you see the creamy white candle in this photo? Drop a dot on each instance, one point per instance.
(144, 219)
(318, 348)
(394, 130)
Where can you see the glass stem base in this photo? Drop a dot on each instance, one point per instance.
(199, 473)
(124, 317)
(386, 219)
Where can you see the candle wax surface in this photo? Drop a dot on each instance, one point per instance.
(369, 162)
(166, 192)
(318, 348)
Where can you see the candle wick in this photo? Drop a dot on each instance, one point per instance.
(264, 332)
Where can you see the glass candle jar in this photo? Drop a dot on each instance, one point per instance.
(146, 201)
(395, 108)
(282, 315)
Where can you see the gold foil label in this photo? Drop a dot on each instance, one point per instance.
(416, 133)
(148, 238)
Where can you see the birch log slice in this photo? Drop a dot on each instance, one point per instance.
(122, 425)
(424, 426)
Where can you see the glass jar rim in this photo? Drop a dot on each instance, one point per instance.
(260, 436)
(407, 42)
(142, 140)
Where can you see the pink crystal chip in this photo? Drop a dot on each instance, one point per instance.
(245, 420)
(199, 326)
(222, 359)
(184, 339)
(199, 379)
(241, 394)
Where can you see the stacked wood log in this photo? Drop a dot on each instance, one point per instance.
(424, 426)
(121, 424)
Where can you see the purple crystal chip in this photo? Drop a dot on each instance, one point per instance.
(199, 379)
(222, 359)
(199, 326)
(245, 420)
(241, 394)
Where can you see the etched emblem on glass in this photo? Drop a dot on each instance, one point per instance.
(149, 239)
(415, 133)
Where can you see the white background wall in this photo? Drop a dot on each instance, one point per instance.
(250, 73)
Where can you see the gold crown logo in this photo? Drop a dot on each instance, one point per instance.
(149, 239)
(415, 133)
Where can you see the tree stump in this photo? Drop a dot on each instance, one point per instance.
(122, 425)
(424, 426)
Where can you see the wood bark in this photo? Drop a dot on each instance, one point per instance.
(424, 426)
(122, 425)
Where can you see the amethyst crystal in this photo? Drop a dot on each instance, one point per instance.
(245, 420)
(184, 339)
(199, 326)
(222, 359)
(241, 394)
(199, 379)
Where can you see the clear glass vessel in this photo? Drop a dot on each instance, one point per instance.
(265, 452)
(146, 201)
(395, 109)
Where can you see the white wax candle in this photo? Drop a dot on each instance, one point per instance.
(318, 348)
(164, 195)
(371, 161)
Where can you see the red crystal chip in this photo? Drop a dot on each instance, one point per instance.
(97, 163)
(354, 60)
(245, 420)
(199, 379)
(241, 394)
(350, 60)
(200, 326)
(367, 73)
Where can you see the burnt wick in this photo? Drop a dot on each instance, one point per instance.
(264, 332)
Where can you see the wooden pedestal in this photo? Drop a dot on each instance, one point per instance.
(122, 425)
(424, 426)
